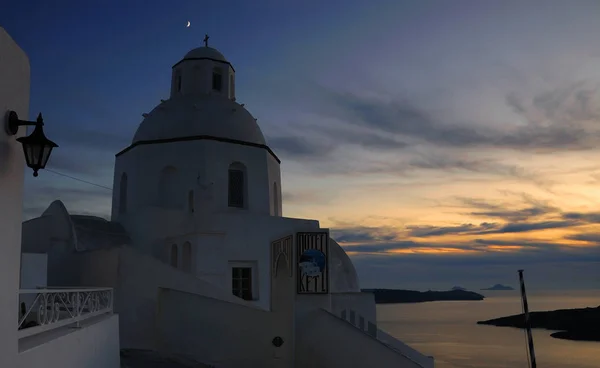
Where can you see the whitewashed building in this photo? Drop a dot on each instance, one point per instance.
(39, 326)
(201, 259)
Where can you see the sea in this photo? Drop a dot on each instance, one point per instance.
(448, 331)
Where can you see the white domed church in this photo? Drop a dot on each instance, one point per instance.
(199, 255)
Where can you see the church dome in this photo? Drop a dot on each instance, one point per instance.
(199, 115)
(205, 52)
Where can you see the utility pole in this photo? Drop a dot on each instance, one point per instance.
(527, 322)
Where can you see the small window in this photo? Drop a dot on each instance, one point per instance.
(241, 282)
(191, 201)
(237, 187)
(174, 255)
(178, 81)
(217, 79)
(123, 194)
(231, 87)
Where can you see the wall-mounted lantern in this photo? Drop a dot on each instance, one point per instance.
(36, 146)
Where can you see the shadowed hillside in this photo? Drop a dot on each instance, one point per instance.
(388, 296)
(571, 324)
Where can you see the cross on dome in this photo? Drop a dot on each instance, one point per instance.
(206, 37)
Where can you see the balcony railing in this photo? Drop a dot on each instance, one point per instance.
(46, 309)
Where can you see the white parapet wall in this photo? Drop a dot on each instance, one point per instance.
(393, 343)
(94, 345)
(67, 327)
(331, 342)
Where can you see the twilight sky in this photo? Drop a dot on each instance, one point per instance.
(443, 142)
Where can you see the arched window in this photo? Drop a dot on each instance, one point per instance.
(178, 81)
(174, 255)
(168, 196)
(231, 87)
(191, 201)
(186, 257)
(275, 199)
(217, 79)
(237, 185)
(123, 194)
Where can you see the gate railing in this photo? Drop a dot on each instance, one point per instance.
(42, 310)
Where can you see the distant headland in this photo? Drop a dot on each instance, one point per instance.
(571, 324)
(389, 296)
(499, 287)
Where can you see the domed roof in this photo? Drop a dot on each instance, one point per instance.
(205, 52)
(343, 275)
(196, 115)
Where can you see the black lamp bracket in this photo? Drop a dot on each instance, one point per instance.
(13, 122)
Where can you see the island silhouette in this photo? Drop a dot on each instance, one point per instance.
(499, 287)
(569, 324)
(389, 296)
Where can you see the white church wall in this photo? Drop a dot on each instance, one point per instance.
(325, 341)
(157, 176)
(249, 239)
(196, 163)
(216, 332)
(14, 95)
(222, 155)
(93, 346)
(209, 251)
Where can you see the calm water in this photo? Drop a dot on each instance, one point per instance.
(448, 331)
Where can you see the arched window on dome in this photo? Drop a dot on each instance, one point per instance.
(174, 255)
(217, 79)
(191, 201)
(123, 194)
(237, 185)
(178, 81)
(231, 87)
(186, 257)
(275, 199)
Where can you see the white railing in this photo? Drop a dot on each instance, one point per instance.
(388, 340)
(46, 309)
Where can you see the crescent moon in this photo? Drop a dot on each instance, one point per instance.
(188, 23)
